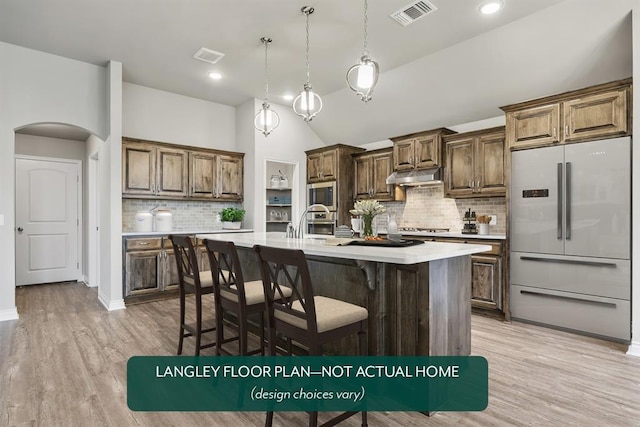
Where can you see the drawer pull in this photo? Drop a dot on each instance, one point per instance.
(143, 243)
(575, 299)
(571, 261)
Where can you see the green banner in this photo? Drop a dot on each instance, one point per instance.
(234, 383)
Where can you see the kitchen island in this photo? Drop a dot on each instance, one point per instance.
(418, 297)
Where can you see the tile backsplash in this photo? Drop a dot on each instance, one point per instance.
(187, 215)
(427, 207)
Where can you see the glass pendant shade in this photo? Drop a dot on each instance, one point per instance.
(266, 120)
(307, 104)
(363, 77)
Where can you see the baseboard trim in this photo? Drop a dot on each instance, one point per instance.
(9, 314)
(112, 305)
(634, 349)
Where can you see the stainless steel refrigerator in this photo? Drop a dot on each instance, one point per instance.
(571, 237)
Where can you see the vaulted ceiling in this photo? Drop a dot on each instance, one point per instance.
(452, 66)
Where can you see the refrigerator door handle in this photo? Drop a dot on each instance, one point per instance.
(571, 261)
(559, 215)
(568, 203)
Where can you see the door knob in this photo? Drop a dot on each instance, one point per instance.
(20, 229)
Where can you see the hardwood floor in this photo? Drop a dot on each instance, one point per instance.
(64, 364)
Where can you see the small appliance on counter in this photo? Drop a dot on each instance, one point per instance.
(164, 221)
(144, 222)
(470, 223)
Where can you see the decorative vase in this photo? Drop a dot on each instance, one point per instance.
(228, 225)
(367, 225)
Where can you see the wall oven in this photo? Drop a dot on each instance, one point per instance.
(321, 223)
(323, 193)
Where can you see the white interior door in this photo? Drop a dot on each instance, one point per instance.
(47, 221)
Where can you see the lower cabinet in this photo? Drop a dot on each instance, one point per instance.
(488, 273)
(150, 267)
(486, 281)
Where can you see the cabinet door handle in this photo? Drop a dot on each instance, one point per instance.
(566, 130)
(554, 133)
(478, 185)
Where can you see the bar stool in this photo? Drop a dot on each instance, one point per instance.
(234, 295)
(193, 281)
(305, 318)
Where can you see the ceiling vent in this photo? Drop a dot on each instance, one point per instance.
(208, 55)
(412, 12)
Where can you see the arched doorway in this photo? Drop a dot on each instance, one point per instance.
(63, 144)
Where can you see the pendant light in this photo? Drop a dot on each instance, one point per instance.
(363, 77)
(308, 103)
(266, 120)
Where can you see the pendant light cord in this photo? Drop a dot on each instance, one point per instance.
(266, 70)
(308, 13)
(365, 51)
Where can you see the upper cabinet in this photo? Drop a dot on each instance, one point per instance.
(596, 112)
(164, 171)
(230, 177)
(419, 150)
(371, 170)
(322, 166)
(476, 164)
(151, 170)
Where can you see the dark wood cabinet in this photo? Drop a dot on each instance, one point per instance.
(203, 170)
(476, 164)
(165, 171)
(486, 281)
(138, 169)
(420, 150)
(371, 169)
(172, 169)
(230, 178)
(601, 111)
(322, 166)
(150, 268)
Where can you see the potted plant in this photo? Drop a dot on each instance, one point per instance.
(231, 218)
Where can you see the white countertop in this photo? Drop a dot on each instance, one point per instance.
(164, 233)
(428, 251)
(453, 234)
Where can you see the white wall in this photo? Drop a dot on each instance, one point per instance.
(287, 143)
(167, 117)
(70, 92)
(245, 142)
(110, 171)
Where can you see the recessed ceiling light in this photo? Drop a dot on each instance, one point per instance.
(215, 75)
(287, 97)
(491, 6)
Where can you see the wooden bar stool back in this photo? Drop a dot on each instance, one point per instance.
(191, 281)
(234, 295)
(305, 318)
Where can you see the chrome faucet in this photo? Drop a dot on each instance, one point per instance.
(298, 233)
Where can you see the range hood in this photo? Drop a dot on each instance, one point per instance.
(416, 177)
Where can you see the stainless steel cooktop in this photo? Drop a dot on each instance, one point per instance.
(424, 229)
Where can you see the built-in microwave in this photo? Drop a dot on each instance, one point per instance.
(323, 193)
